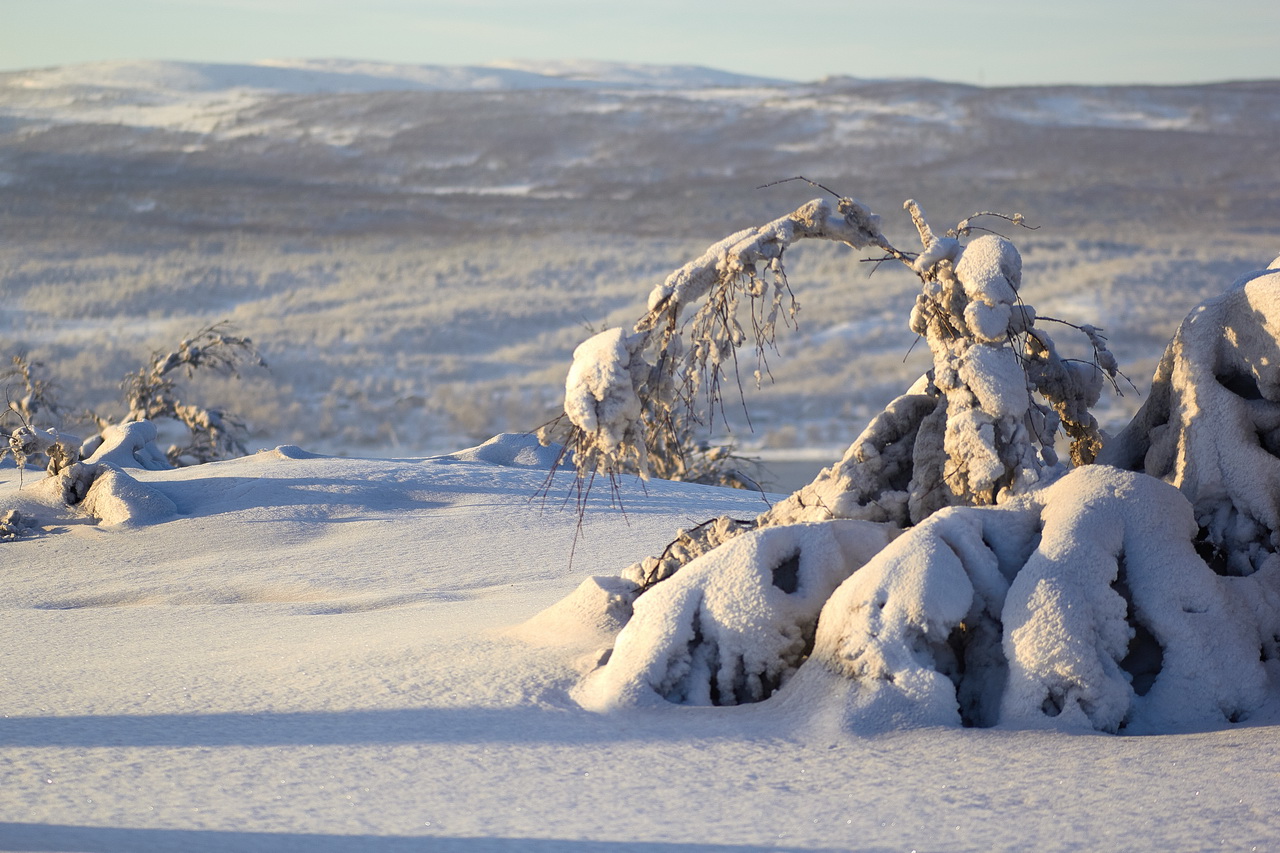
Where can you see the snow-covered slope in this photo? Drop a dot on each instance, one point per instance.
(418, 249)
(314, 76)
(315, 653)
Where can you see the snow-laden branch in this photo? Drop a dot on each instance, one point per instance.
(631, 399)
(739, 255)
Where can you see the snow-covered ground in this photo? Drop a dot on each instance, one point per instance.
(315, 653)
(330, 648)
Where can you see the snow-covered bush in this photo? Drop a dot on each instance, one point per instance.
(630, 397)
(979, 426)
(734, 625)
(1211, 424)
(1081, 605)
(1018, 592)
(151, 393)
(89, 475)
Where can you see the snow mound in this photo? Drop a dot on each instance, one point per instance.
(511, 450)
(130, 445)
(592, 615)
(117, 499)
(732, 626)
(1084, 606)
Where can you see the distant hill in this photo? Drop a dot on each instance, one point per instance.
(434, 240)
(315, 76)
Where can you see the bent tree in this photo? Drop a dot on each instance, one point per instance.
(950, 568)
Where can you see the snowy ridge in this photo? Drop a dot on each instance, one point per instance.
(316, 76)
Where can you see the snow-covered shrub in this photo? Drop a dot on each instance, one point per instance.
(978, 427)
(733, 626)
(60, 450)
(88, 474)
(1082, 605)
(1018, 593)
(30, 396)
(151, 393)
(630, 397)
(1211, 424)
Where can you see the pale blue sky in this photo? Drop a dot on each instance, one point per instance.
(985, 41)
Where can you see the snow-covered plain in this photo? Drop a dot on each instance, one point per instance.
(302, 651)
(318, 653)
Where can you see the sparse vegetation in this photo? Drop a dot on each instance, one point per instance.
(152, 393)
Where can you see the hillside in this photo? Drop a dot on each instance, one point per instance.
(418, 249)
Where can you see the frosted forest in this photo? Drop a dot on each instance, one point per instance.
(937, 524)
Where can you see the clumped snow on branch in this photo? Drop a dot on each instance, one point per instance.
(629, 398)
(950, 569)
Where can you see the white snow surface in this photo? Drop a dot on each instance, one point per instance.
(318, 653)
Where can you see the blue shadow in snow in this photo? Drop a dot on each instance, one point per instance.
(322, 728)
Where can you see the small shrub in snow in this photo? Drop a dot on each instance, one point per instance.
(151, 393)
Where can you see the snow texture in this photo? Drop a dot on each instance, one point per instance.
(1082, 606)
(1211, 423)
(732, 626)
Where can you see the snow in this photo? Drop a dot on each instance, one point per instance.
(600, 395)
(322, 653)
(303, 651)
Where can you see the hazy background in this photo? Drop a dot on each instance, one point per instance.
(418, 235)
(988, 42)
